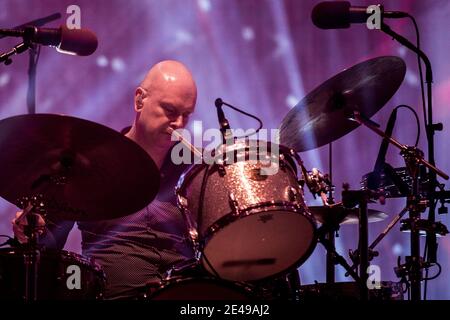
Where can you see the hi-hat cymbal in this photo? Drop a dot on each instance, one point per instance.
(337, 214)
(85, 171)
(323, 115)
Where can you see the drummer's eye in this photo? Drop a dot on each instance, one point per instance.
(170, 111)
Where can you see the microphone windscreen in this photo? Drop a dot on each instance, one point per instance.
(80, 42)
(331, 15)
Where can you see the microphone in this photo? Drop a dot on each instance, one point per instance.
(340, 14)
(80, 42)
(374, 181)
(223, 122)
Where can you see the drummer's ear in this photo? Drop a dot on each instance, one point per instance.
(138, 99)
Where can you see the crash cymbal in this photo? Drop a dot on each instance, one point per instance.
(84, 170)
(337, 214)
(323, 115)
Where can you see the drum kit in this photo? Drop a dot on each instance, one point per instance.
(250, 231)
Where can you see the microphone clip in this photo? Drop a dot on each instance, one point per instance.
(223, 121)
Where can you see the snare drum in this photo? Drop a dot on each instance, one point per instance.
(61, 275)
(246, 214)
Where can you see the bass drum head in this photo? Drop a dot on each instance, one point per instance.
(272, 242)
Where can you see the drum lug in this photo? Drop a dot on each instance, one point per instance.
(293, 195)
(221, 169)
(234, 204)
(282, 164)
(182, 201)
(193, 234)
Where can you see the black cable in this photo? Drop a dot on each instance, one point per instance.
(248, 115)
(419, 62)
(437, 274)
(425, 253)
(417, 120)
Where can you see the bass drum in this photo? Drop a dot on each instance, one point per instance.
(188, 281)
(62, 275)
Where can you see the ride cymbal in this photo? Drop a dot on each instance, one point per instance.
(323, 116)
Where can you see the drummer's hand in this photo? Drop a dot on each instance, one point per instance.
(20, 222)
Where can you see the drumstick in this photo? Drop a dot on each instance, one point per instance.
(193, 149)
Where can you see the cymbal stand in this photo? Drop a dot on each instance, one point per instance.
(351, 198)
(320, 184)
(331, 235)
(32, 209)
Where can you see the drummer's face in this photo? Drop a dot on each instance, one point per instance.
(170, 106)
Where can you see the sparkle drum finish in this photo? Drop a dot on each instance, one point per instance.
(246, 213)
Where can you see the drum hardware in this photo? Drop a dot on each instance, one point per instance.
(395, 182)
(337, 258)
(221, 169)
(361, 197)
(320, 184)
(321, 117)
(33, 207)
(415, 203)
(333, 233)
(234, 204)
(354, 255)
(349, 291)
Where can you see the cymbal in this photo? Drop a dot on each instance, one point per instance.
(85, 171)
(338, 214)
(323, 115)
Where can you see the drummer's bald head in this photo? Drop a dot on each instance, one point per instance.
(168, 72)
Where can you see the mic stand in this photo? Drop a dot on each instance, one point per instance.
(38, 22)
(34, 54)
(5, 57)
(431, 128)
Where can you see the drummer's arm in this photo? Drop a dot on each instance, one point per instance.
(55, 234)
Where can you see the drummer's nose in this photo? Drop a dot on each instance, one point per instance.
(178, 122)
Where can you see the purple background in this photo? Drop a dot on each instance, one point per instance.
(263, 56)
